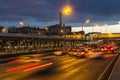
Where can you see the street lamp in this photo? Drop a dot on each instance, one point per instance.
(61, 30)
(66, 10)
(21, 23)
(46, 28)
(86, 22)
(3, 30)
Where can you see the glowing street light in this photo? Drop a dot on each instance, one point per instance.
(3, 30)
(86, 22)
(46, 28)
(61, 30)
(67, 10)
(21, 23)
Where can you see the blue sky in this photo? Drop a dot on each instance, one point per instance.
(45, 12)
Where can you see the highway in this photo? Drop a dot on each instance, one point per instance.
(58, 68)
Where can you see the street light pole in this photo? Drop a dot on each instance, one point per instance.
(86, 22)
(60, 19)
(82, 26)
(66, 10)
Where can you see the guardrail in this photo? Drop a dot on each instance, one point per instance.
(107, 72)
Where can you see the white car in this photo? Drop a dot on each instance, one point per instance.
(58, 53)
(96, 54)
(28, 58)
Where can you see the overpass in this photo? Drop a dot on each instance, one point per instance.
(15, 43)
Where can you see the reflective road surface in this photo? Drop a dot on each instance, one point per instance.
(56, 68)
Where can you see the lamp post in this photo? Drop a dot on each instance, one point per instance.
(86, 22)
(21, 23)
(66, 10)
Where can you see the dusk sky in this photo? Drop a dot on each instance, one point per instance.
(46, 12)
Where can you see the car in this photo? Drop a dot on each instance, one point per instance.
(82, 53)
(96, 54)
(65, 50)
(58, 53)
(109, 49)
(28, 58)
(30, 62)
(73, 52)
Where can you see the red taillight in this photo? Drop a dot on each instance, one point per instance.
(105, 49)
(112, 49)
(40, 54)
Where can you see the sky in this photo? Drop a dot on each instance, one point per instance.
(46, 12)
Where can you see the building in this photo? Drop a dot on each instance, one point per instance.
(27, 30)
(57, 30)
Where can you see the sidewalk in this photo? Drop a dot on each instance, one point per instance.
(115, 75)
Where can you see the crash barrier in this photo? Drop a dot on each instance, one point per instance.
(107, 72)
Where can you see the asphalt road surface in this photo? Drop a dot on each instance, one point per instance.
(60, 68)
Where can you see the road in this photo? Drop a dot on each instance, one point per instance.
(63, 68)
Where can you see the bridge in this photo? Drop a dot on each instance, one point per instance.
(15, 43)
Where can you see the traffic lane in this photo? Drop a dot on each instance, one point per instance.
(64, 65)
(10, 70)
(79, 69)
(12, 75)
(18, 74)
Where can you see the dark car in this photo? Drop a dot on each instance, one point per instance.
(73, 52)
(82, 53)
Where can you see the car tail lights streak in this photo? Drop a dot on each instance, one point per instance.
(14, 61)
(11, 62)
(36, 67)
(40, 54)
(21, 67)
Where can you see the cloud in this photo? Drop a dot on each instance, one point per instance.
(47, 10)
